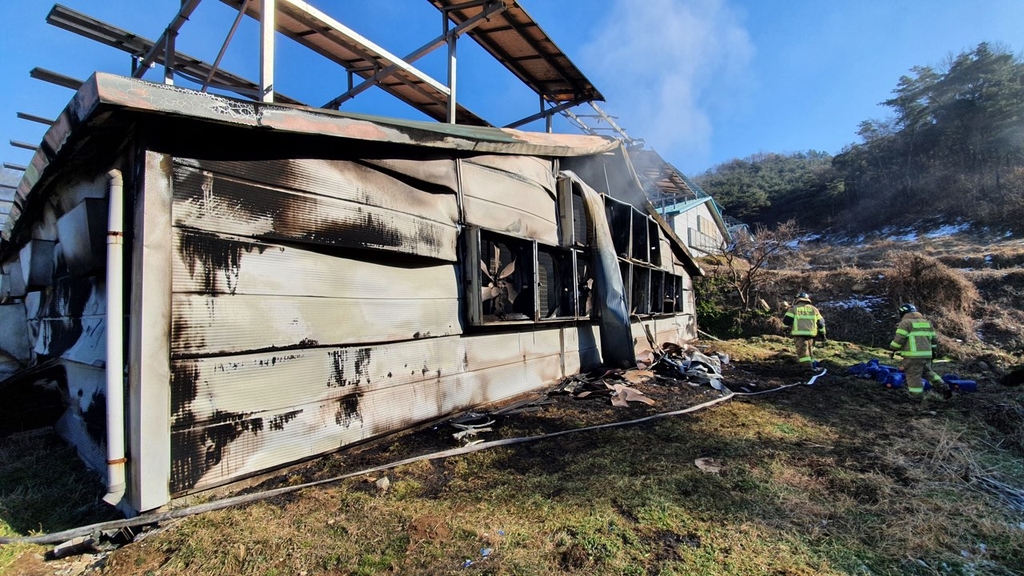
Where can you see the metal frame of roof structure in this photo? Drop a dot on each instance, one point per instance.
(513, 38)
(55, 78)
(668, 184)
(34, 118)
(501, 27)
(600, 115)
(144, 51)
(360, 57)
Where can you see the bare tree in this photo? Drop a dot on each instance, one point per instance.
(746, 262)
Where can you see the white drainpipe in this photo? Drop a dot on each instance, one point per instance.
(115, 346)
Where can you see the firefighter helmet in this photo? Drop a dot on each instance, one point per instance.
(907, 308)
(802, 296)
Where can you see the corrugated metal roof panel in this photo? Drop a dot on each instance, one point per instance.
(518, 42)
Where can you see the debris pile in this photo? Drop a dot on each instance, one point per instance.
(665, 366)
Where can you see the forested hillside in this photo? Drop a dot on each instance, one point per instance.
(952, 149)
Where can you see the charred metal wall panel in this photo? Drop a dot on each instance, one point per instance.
(83, 423)
(37, 259)
(149, 372)
(82, 232)
(518, 203)
(216, 202)
(12, 281)
(232, 415)
(300, 298)
(14, 339)
(71, 322)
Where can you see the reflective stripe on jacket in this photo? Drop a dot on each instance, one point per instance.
(915, 337)
(804, 320)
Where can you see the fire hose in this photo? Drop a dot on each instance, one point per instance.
(157, 517)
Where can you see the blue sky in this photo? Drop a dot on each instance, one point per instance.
(701, 81)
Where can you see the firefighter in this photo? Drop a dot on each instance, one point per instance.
(915, 341)
(805, 323)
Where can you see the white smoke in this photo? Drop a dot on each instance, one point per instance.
(665, 65)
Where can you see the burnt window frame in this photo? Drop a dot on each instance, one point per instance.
(527, 277)
(642, 262)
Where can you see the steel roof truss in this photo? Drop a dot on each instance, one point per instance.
(490, 7)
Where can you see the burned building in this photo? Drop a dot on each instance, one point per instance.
(219, 287)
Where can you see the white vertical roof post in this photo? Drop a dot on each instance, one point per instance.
(169, 36)
(452, 38)
(268, 13)
(547, 119)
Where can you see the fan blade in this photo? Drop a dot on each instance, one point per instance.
(483, 268)
(508, 270)
(488, 292)
(512, 291)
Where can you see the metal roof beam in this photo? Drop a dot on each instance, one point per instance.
(187, 66)
(521, 45)
(187, 7)
(224, 46)
(55, 78)
(338, 43)
(17, 167)
(24, 145)
(34, 118)
(545, 113)
(490, 7)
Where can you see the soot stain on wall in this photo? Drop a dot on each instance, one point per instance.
(278, 422)
(348, 410)
(337, 376)
(310, 219)
(194, 451)
(95, 417)
(341, 374)
(215, 255)
(65, 305)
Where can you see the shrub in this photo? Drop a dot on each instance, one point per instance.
(940, 292)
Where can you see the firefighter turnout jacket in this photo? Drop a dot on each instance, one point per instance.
(915, 337)
(803, 319)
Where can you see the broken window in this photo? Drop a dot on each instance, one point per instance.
(658, 305)
(637, 240)
(679, 293)
(521, 280)
(584, 284)
(620, 219)
(501, 273)
(654, 239)
(556, 284)
(640, 245)
(573, 222)
(640, 290)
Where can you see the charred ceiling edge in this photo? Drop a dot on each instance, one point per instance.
(118, 94)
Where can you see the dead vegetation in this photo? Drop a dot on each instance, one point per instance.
(964, 283)
(842, 477)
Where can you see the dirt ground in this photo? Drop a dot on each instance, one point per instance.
(866, 414)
